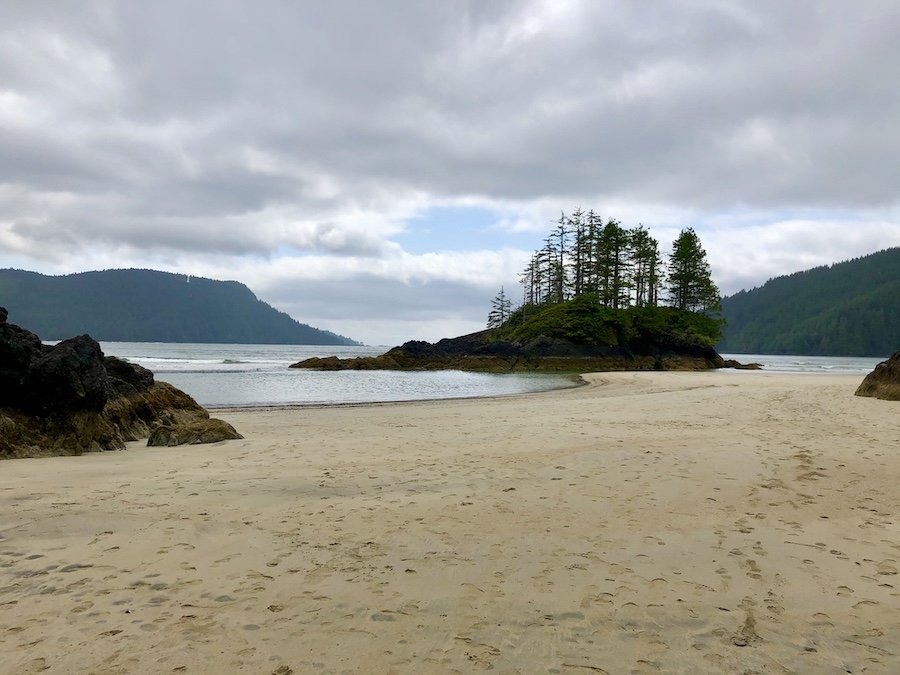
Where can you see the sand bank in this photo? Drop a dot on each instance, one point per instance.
(674, 522)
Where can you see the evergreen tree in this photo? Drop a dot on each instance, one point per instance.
(690, 282)
(582, 256)
(613, 265)
(580, 251)
(529, 282)
(547, 268)
(589, 255)
(558, 244)
(501, 308)
(645, 266)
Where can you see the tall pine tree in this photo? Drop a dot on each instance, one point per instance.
(645, 266)
(612, 265)
(690, 281)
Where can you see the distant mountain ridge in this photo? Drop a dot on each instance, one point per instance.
(136, 305)
(846, 309)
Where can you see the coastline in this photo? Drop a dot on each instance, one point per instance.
(674, 521)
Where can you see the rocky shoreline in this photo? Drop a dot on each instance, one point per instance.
(884, 381)
(69, 398)
(478, 352)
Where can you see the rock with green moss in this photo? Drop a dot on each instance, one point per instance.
(69, 398)
(884, 381)
(210, 430)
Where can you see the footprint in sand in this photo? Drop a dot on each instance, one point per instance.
(774, 603)
(886, 568)
(752, 569)
(37, 666)
(746, 634)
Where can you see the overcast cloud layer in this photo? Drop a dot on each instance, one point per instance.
(306, 149)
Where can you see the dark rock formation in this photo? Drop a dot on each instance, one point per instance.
(67, 378)
(127, 378)
(18, 348)
(731, 363)
(884, 381)
(477, 352)
(190, 433)
(68, 398)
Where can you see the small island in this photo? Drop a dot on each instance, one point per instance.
(579, 335)
(591, 302)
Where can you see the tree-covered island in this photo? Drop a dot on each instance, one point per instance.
(595, 296)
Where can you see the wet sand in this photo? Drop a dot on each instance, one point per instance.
(713, 522)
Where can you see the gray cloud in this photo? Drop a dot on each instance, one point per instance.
(148, 132)
(416, 310)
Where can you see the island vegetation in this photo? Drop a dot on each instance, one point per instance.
(594, 282)
(596, 296)
(150, 306)
(846, 309)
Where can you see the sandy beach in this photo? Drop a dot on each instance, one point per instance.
(719, 522)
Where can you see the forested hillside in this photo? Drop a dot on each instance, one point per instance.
(847, 309)
(149, 306)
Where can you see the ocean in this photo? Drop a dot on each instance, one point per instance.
(780, 363)
(258, 375)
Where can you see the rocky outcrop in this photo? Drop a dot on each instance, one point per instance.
(191, 433)
(18, 349)
(127, 378)
(66, 378)
(737, 365)
(884, 381)
(69, 398)
(478, 352)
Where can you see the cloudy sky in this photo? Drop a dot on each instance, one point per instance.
(381, 168)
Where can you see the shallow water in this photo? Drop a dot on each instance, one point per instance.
(254, 375)
(257, 375)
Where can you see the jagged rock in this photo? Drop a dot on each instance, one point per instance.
(123, 419)
(68, 399)
(67, 378)
(3, 315)
(127, 378)
(731, 363)
(884, 381)
(18, 349)
(159, 404)
(211, 430)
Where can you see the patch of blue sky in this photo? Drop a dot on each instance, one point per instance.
(461, 228)
(286, 251)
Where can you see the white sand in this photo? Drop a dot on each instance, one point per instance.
(675, 522)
